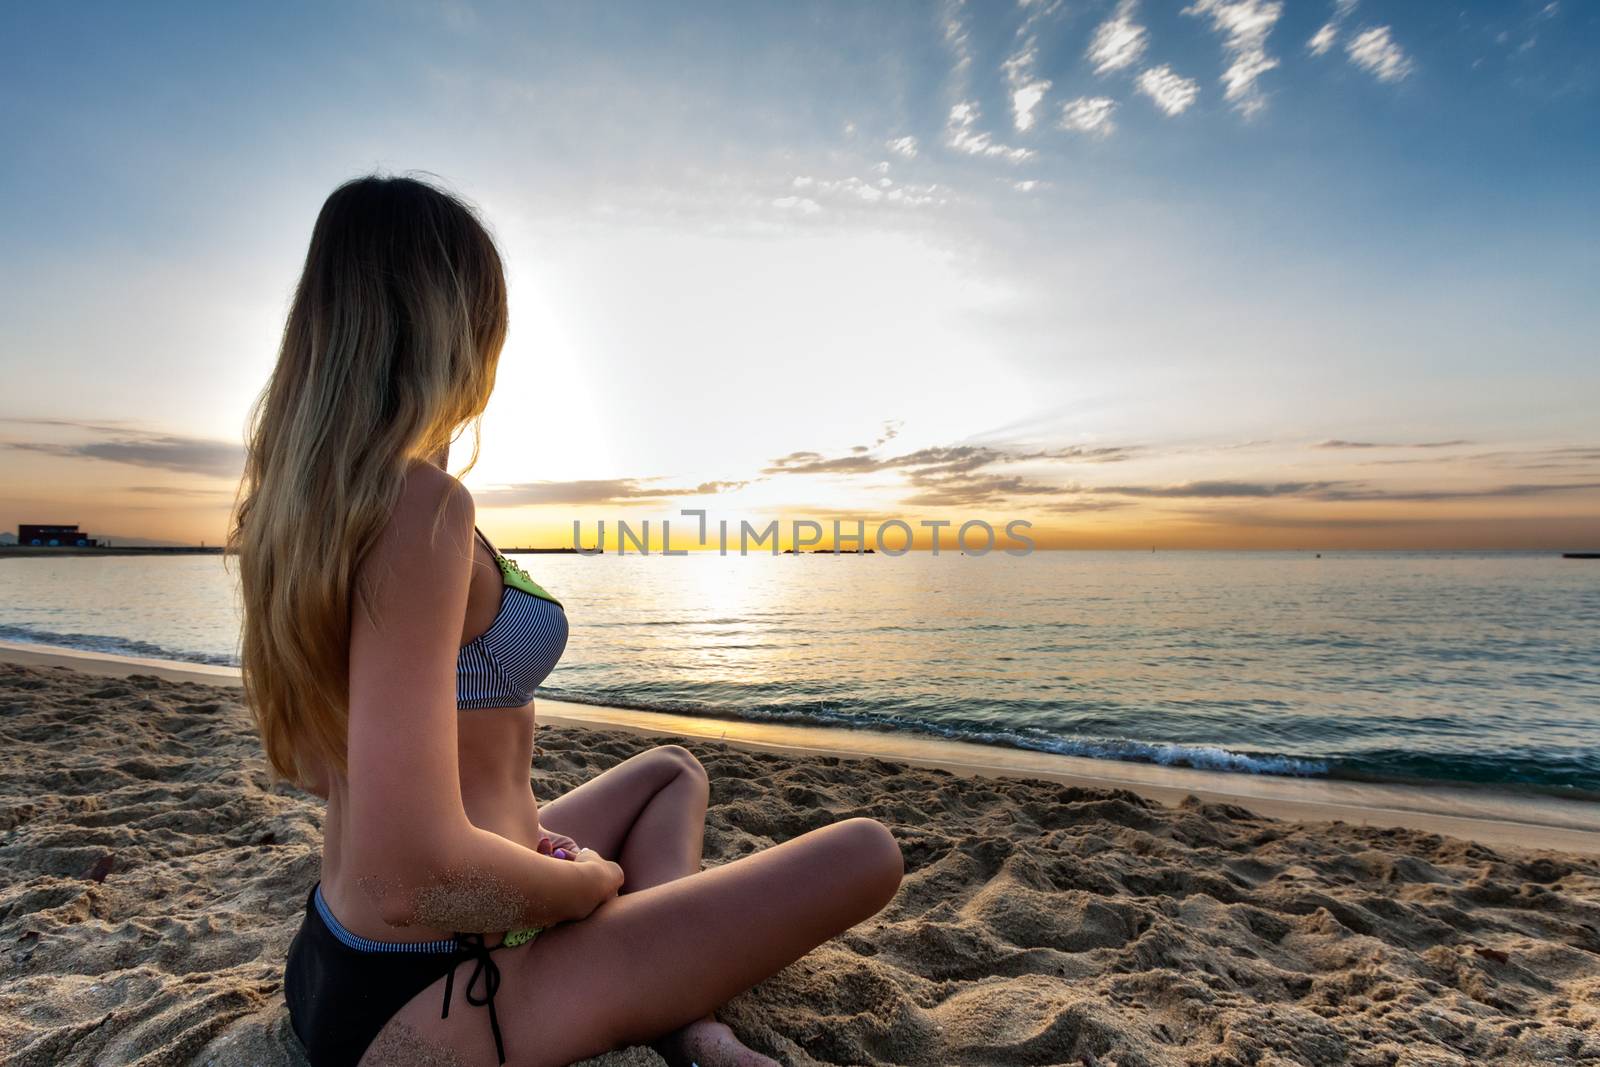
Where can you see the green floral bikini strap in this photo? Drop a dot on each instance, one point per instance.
(518, 578)
(513, 574)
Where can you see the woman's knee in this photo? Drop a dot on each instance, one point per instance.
(874, 855)
(684, 764)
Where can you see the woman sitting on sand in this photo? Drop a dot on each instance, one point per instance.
(390, 659)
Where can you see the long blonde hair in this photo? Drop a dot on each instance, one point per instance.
(389, 351)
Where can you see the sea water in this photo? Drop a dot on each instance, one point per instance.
(1469, 668)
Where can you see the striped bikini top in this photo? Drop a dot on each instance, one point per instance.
(501, 667)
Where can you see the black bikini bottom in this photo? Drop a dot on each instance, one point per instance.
(342, 989)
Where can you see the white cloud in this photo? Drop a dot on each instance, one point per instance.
(903, 146)
(1024, 100)
(1089, 114)
(848, 190)
(1171, 92)
(916, 195)
(1375, 51)
(1119, 41)
(1028, 185)
(804, 205)
(1325, 38)
(854, 187)
(1245, 25)
(955, 35)
(1020, 68)
(961, 133)
(1027, 88)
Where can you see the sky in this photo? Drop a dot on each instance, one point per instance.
(1211, 274)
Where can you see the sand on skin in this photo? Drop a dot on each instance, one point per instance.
(151, 876)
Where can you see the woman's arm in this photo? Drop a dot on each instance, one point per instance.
(411, 846)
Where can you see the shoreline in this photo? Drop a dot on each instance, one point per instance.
(1482, 815)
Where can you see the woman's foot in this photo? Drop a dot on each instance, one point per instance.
(708, 1043)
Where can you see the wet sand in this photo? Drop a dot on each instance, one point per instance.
(151, 876)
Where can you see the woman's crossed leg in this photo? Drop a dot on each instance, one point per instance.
(649, 814)
(668, 950)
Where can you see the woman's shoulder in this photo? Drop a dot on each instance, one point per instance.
(425, 488)
(414, 578)
(433, 512)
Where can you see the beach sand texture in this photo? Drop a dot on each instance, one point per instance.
(151, 878)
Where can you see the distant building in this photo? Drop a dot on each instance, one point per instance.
(48, 536)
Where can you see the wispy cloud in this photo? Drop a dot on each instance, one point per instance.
(1089, 114)
(903, 146)
(1020, 68)
(880, 190)
(801, 204)
(959, 41)
(976, 475)
(139, 448)
(1376, 52)
(1337, 443)
(1575, 459)
(961, 131)
(1328, 34)
(594, 492)
(941, 459)
(1220, 489)
(1338, 491)
(1373, 50)
(1170, 91)
(1494, 492)
(972, 490)
(1072, 505)
(1245, 26)
(962, 134)
(956, 475)
(178, 490)
(1119, 41)
(972, 475)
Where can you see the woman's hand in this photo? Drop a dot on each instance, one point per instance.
(549, 842)
(608, 876)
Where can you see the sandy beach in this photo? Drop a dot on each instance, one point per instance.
(1111, 915)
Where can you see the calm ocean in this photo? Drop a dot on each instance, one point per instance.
(1481, 668)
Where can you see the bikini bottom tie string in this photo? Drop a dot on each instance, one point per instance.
(472, 946)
